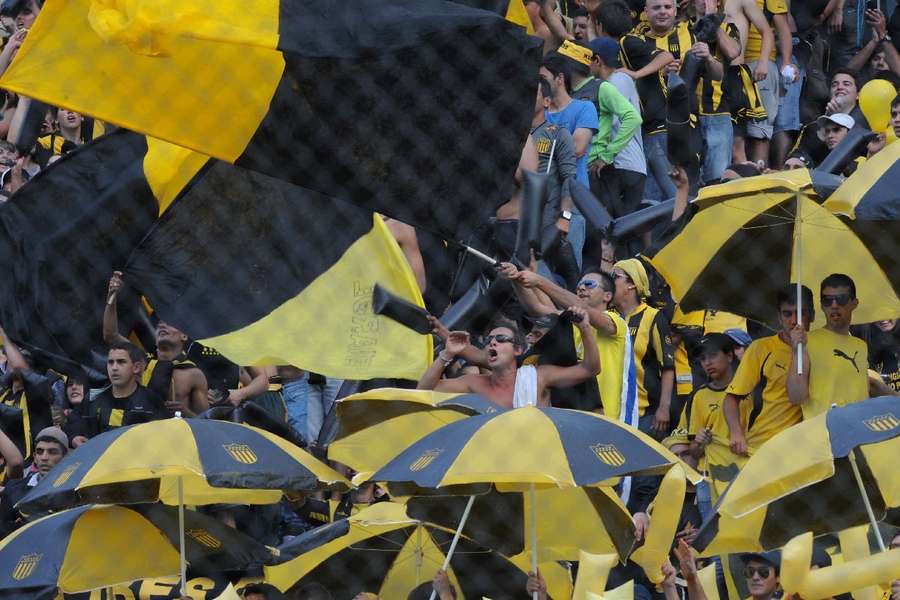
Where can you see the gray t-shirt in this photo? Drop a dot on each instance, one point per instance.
(631, 157)
(562, 169)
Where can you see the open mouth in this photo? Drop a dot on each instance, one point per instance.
(492, 353)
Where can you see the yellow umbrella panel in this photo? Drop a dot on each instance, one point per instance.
(374, 426)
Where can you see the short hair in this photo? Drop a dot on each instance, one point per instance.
(606, 280)
(614, 17)
(888, 76)
(578, 11)
(744, 169)
(518, 336)
(788, 295)
(839, 280)
(558, 64)
(313, 591)
(853, 73)
(423, 591)
(134, 353)
(895, 101)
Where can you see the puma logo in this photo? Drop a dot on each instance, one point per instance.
(842, 354)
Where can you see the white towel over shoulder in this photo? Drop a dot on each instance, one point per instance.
(526, 390)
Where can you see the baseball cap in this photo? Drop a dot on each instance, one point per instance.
(54, 433)
(773, 557)
(739, 337)
(607, 49)
(837, 118)
(713, 342)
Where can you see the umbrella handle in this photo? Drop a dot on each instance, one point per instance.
(462, 523)
(181, 556)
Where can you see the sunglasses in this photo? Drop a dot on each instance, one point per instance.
(589, 284)
(500, 337)
(841, 299)
(763, 572)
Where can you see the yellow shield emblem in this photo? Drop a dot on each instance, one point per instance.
(66, 474)
(26, 565)
(882, 423)
(241, 453)
(426, 459)
(203, 537)
(609, 454)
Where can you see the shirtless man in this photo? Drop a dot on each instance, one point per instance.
(507, 385)
(409, 244)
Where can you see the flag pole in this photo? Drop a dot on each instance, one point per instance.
(799, 255)
(534, 546)
(456, 536)
(862, 490)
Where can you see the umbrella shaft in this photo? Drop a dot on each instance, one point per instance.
(182, 559)
(865, 498)
(462, 523)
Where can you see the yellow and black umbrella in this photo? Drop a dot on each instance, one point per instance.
(374, 426)
(763, 234)
(826, 474)
(175, 461)
(381, 550)
(91, 547)
(549, 447)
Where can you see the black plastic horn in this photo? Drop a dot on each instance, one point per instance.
(639, 219)
(396, 308)
(531, 207)
(591, 209)
(853, 145)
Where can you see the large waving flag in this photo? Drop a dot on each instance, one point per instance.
(417, 109)
(262, 270)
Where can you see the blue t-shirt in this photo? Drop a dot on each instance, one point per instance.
(578, 114)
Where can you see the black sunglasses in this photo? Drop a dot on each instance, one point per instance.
(763, 572)
(500, 337)
(841, 299)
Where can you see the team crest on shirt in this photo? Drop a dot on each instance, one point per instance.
(426, 459)
(242, 453)
(205, 538)
(882, 423)
(66, 474)
(26, 565)
(543, 146)
(609, 454)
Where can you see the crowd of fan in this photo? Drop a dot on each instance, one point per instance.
(761, 101)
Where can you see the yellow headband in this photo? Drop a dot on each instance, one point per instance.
(576, 53)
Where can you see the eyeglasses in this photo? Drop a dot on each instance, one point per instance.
(588, 284)
(763, 572)
(841, 299)
(500, 337)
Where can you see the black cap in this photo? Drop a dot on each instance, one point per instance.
(772, 557)
(713, 342)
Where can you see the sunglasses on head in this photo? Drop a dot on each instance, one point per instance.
(500, 337)
(763, 572)
(841, 299)
(589, 284)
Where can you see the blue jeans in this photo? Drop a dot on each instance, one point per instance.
(658, 186)
(296, 398)
(718, 135)
(577, 234)
(320, 400)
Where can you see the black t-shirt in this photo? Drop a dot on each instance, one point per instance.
(110, 412)
(636, 53)
(221, 373)
(28, 411)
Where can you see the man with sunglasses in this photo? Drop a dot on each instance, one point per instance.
(835, 364)
(507, 385)
(761, 379)
(594, 293)
(761, 573)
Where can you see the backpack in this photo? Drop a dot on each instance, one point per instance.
(816, 89)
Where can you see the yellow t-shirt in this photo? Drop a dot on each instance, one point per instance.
(761, 379)
(706, 412)
(698, 322)
(612, 364)
(838, 372)
(754, 38)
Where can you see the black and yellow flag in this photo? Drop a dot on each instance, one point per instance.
(417, 109)
(262, 270)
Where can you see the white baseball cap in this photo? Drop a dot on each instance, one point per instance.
(838, 119)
